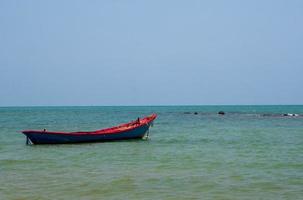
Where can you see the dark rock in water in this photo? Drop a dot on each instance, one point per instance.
(221, 113)
(195, 113)
(290, 115)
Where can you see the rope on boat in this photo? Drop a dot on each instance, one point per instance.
(28, 141)
(147, 132)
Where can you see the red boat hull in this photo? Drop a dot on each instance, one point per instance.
(133, 130)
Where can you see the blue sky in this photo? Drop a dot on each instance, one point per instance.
(131, 52)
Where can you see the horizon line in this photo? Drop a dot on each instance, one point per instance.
(151, 105)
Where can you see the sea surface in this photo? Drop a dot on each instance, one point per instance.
(251, 152)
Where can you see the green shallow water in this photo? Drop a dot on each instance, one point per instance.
(250, 153)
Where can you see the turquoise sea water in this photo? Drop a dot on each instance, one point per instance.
(252, 152)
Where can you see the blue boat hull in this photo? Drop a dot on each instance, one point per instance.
(46, 138)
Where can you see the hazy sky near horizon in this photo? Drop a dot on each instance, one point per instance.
(131, 52)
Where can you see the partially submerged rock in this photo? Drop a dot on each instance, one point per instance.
(290, 115)
(221, 113)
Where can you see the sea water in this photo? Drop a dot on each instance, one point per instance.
(251, 152)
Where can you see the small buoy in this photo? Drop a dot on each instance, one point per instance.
(221, 113)
(195, 113)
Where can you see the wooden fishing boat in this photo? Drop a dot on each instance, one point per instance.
(133, 130)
